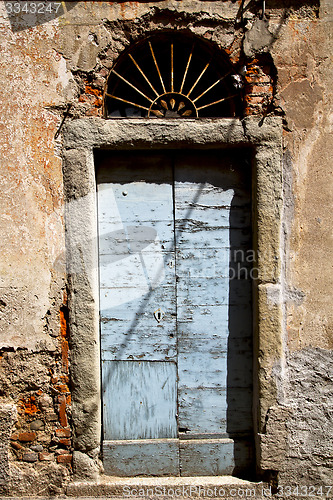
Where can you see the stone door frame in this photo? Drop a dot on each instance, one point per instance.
(80, 138)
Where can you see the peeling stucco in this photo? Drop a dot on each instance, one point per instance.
(55, 72)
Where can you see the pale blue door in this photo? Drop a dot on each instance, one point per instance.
(175, 329)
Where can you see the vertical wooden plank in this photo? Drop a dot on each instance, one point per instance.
(138, 314)
(212, 219)
(136, 245)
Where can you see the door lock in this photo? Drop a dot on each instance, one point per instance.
(158, 314)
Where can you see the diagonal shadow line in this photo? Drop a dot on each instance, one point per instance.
(284, 17)
(142, 307)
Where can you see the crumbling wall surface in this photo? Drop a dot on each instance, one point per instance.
(34, 370)
(304, 68)
(309, 426)
(58, 70)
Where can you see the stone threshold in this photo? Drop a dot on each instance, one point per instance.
(226, 487)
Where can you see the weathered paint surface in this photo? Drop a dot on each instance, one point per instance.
(137, 271)
(214, 457)
(38, 65)
(128, 458)
(191, 218)
(212, 202)
(140, 399)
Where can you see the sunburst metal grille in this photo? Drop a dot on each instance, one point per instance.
(173, 76)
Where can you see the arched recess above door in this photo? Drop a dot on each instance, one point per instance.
(173, 75)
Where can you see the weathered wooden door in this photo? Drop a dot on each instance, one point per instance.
(175, 315)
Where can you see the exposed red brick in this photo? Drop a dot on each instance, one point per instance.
(90, 90)
(14, 437)
(64, 331)
(84, 98)
(16, 446)
(253, 110)
(63, 433)
(97, 103)
(63, 324)
(256, 78)
(64, 459)
(62, 388)
(28, 405)
(254, 99)
(65, 441)
(27, 436)
(62, 411)
(64, 353)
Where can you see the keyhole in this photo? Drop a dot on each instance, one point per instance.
(158, 314)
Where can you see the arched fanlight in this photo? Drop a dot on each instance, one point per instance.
(173, 75)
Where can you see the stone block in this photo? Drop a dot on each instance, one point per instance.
(37, 425)
(30, 457)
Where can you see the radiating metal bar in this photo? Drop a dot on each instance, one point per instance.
(216, 102)
(199, 77)
(186, 70)
(142, 73)
(131, 85)
(157, 112)
(158, 69)
(172, 67)
(217, 81)
(128, 102)
(263, 9)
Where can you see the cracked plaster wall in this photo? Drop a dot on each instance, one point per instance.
(43, 69)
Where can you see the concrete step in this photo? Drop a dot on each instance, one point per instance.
(226, 487)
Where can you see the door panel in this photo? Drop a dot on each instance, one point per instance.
(136, 242)
(140, 399)
(176, 331)
(210, 217)
(137, 282)
(202, 212)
